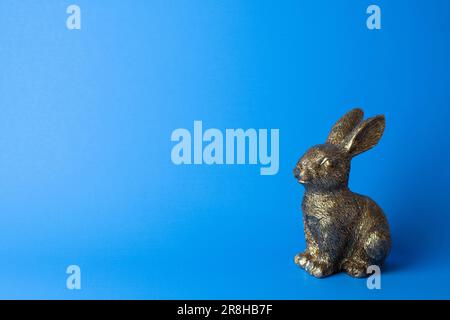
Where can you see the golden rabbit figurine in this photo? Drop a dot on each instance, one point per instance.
(344, 230)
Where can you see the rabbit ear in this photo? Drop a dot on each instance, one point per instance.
(344, 126)
(365, 136)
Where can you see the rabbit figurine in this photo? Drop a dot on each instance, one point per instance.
(344, 230)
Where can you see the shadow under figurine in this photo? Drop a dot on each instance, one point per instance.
(344, 230)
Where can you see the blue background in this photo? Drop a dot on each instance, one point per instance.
(86, 117)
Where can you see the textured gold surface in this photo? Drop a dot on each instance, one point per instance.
(344, 231)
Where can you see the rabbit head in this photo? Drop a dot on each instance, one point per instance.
(327, 166)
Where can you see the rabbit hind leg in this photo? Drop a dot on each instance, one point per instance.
(372, 251)
(356, 266)
(357, 261)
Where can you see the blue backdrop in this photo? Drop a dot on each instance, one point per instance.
(86, 117)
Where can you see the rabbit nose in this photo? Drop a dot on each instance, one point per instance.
(298, 172)
(301, 175)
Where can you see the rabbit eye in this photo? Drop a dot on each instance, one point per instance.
(325, 162)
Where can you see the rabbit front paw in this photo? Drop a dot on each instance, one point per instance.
(317, 267)
(302, 259)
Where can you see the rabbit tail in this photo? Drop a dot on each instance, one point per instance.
(377, 247)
